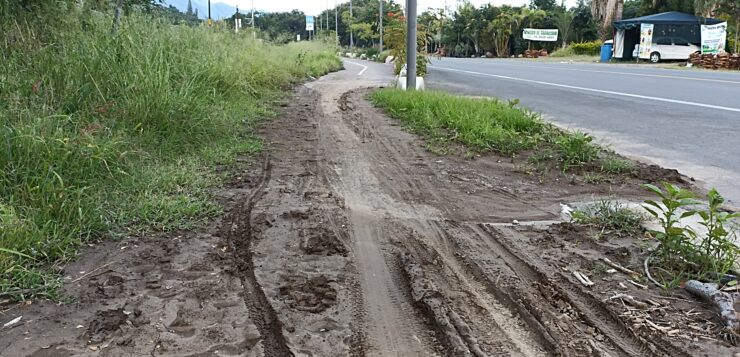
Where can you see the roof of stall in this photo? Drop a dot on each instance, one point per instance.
(664, 18)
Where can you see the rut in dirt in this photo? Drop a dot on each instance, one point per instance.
(237, 229)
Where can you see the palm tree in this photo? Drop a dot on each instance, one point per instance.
(563, 21)
(532, 18)
(502, 27)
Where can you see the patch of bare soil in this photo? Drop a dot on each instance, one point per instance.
(166, 295)
(348, 238)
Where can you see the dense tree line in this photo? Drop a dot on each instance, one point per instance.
(463, 31)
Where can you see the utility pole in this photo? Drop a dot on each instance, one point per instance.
(336, 21)
(410, 44)
(351, 19)
(252, 15)
(209, 13)
(380, 25)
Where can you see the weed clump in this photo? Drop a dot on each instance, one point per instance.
(609, 218)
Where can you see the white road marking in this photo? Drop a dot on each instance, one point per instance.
(657, 99)
(629, 73)
(364, 68)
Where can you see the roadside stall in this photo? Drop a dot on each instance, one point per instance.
(664, 36)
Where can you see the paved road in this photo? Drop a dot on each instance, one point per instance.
(687, 120)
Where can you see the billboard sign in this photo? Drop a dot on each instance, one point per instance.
(309, 23)
(713, 38)
(646, 40)
(540, 34)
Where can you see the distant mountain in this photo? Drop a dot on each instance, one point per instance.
(219, 10)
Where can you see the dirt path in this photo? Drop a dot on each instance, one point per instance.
(348, 238)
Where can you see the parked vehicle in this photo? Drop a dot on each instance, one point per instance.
(671, 48)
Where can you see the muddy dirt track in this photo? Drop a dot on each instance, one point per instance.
(348, 238)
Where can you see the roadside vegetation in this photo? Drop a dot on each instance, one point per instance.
(489, 125)
(114, 135)
(683, 252)
(610, 218)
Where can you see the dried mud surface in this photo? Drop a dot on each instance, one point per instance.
(348, 238)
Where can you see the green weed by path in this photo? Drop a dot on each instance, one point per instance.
(487, 125)
(482, 124)
(490, 125)
(103, 135)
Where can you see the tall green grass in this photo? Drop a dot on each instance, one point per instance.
(113, 136)
(484, 125)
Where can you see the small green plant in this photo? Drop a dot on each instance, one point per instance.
(599, 268)
(675, 241)
(576, 149)
(682, 251)
(541, 157)
(593, 178)
(615, 165)
(610, 218)
(717, 249)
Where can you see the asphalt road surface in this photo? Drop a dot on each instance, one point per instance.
(683, 119)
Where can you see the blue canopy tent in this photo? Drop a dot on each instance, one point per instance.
(674, 24)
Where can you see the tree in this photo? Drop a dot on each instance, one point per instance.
(564, 21)
(546, 5)
(365, 32)
(584, 26)
(632, 9)
(531, 18)
(503, 27)
(655, 6)
(604, 13)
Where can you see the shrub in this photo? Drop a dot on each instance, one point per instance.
(383, 55)
(369, 52)
(587, 48)
(564, 52)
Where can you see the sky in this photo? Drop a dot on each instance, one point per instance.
(315, 6)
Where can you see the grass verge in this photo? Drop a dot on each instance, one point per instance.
(105, 135)
(490, 125)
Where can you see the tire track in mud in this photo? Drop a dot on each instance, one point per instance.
(589, 308)
(391, 324)
(552, 305)
(498, 328)
(238, 232)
